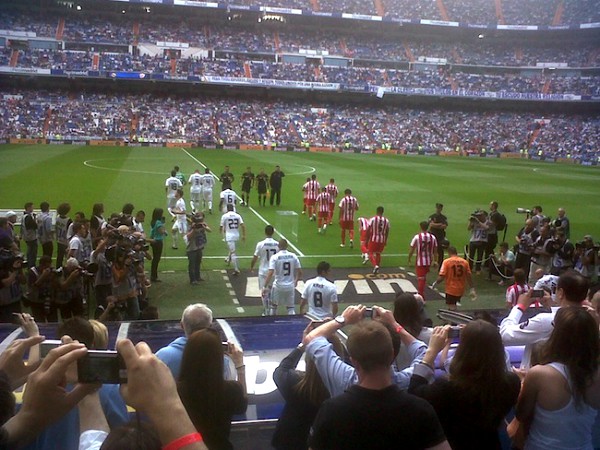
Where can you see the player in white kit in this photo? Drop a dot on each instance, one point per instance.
(178, 211)
(263, 252)
(208, 183)
(171, 185)
(231, 223)
(285, 270)
(320, 294)
(228, 197)
(195, 182)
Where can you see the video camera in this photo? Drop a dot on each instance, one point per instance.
(477, 215)
(197, 221)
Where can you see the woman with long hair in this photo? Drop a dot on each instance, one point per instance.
(209, 399)
(157, 235)
(479, 391)
(303, 394)
(561, 395)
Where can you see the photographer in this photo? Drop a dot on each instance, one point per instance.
(195, 240)
(142, 253)
(542, 250)
(478, 226)
(124, 280)
(102, 277)
(585, 257)
(43, 283)
(69, 297)
(11, 279)
(7, 238)
(563, 252)
(525, 239)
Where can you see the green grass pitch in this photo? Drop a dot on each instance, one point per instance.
(407, 186)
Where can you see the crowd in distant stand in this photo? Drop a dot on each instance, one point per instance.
(353, 76)
(106, 116)
(538, 12)
(482, 52)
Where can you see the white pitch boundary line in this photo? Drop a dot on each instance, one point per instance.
(304, 256)
(256, 213)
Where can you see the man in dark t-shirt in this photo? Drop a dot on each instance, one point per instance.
(262, 184)
(437, 226)
(375, 414)
(226, 179)
(247, 183)
(275, 182)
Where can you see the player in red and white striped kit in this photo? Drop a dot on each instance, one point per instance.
(348, 205)
(305, 195)
(332, 189)
(323, 203)
(425, 244)
(379, 229)
(363, 229)
(312, 192)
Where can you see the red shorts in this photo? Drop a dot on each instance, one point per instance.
(376, 247)
(422, 271)
(331, 206)
(347, 225)
(324, 215)
(305, 201)
(310, 201)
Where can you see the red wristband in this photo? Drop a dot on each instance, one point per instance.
(183, 441)
(399, 328)
(521, 307)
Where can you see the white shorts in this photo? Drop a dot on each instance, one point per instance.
(195, 196)
(171, 202)
(283, 296)
(231, 246)
(207, 195)
(180, 225)
(262, 277)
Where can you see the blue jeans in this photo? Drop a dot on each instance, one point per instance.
(194, 262)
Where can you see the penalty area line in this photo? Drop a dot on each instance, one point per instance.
(256, 213)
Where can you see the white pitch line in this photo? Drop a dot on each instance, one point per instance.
(256, 213)
(394, 255)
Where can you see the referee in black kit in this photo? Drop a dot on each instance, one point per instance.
(275, 184)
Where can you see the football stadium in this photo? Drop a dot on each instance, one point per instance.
(278, 198)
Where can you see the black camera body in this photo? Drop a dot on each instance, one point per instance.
(101, 366)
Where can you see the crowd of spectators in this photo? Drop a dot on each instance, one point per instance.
(369, 47)
(107, 116)
(353, 76)
(535, 12)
